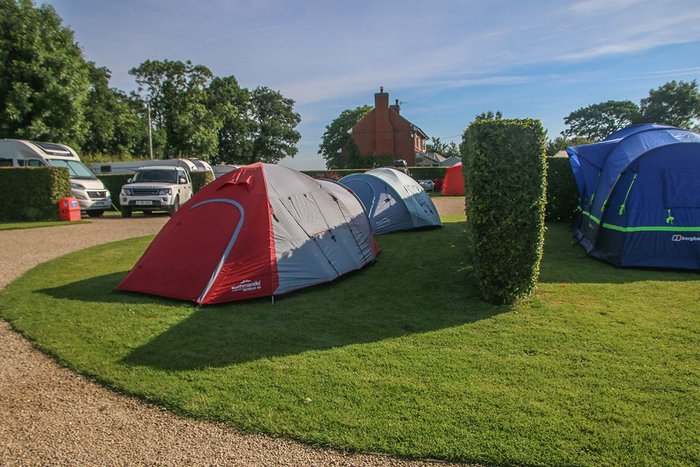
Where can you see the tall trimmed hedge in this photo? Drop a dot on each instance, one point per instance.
(32, 194)
(562, 194)
(505, 181)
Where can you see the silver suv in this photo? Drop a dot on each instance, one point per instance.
(156, 188)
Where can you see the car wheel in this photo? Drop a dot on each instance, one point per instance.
(176, 205)
(96, 213)
(126, 212)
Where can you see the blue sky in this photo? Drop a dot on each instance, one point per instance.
(446, 61)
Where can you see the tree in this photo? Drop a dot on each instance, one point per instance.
(131, 128)
(231, 104)
(674, 103)
(560, 142)
(597, 121)
(177, 93)
(274, 122)
(490, 115)
(442, 148)
(337, 135)
(43, 79)
(99, 112)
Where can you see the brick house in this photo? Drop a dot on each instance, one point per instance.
(384, 132)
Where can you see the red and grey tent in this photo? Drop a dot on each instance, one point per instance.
(267, 230)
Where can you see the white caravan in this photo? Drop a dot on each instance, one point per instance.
(130, 167)
(85, 186)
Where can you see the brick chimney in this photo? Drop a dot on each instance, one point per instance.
(384, 132)
(396, 107)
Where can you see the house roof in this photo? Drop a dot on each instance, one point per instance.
(432, 156)
(414, 127)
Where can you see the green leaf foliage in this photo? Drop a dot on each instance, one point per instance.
(114, 184)
(352, 159)
(274, 122)
(562, 194)
(337, 136)
(444, 149)
(177, 93)
(32, 194)
(505, 181)
(427, 173)
(230, 103)
(674, 103)
(561, 142)
(199, 179)
(117, 123)
(43, 76)
(597, 121)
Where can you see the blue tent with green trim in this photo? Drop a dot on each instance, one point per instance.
(640, 197)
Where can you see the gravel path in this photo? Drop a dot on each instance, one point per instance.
(49, 415)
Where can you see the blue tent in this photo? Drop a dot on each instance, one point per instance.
(392, 200)
(640, 197)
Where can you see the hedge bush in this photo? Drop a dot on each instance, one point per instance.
(427, 173)
(114, 184)
(199, 179)
(505, 180)
(32, 194)
(333, 174)
(418, 173)
(562, 194)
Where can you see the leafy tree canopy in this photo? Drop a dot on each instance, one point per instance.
(597, 121)
(274, 122)
(674, 103)
(231, 104)
(337, 135)
(177, 94)
(490, 115)
(442, 148)
(43, 79)
(560, 142)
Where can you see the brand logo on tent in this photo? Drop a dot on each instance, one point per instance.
(247, 286)
(681, 238)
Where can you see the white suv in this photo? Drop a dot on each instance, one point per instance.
(156, 188)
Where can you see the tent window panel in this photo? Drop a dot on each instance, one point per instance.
(681, 188)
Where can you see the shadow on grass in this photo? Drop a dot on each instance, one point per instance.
(420, 284)
(360, 308)
(380, 302)
(222, 336)
(565, 261)
(101, 289)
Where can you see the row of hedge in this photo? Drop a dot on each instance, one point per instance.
(418, 173)
(114, 183)
(505, 186)
(32, 194)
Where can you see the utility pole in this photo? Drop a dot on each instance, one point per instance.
(150, 136)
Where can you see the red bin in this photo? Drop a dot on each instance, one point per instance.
(69, 209)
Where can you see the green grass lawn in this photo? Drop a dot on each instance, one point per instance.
(600, 367)
(36, 224)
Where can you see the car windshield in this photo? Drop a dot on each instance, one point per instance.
(165, 176)
(76, 169)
